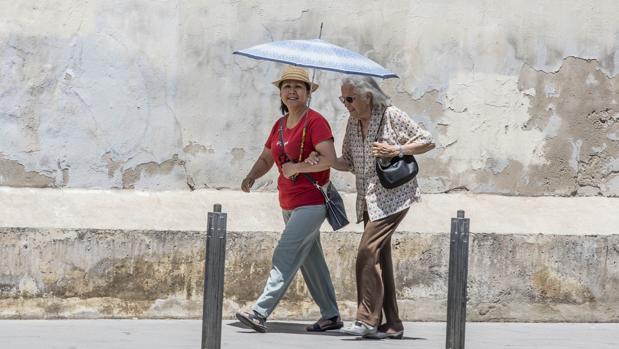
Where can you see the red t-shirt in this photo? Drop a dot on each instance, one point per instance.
(300, 192)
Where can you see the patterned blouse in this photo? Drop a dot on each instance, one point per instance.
(357, 151)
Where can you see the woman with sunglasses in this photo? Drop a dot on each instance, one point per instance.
(376, 129)
(293, 137)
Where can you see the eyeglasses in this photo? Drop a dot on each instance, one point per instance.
(348, 99)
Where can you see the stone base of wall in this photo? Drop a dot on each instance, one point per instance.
(90, 273)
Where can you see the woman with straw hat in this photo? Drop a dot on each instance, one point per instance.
(293, 137)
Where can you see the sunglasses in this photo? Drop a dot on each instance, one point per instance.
(347, 99)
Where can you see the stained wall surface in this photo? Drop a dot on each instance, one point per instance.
(522, 97)
(159, 274)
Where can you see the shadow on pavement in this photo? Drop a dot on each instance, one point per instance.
(405, 338)
(297, 328)
(289, 327)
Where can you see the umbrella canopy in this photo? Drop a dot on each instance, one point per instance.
(317, 54)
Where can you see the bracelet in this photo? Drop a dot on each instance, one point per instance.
(400, 151)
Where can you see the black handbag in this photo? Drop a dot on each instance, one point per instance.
(398, 171)
(336, 212)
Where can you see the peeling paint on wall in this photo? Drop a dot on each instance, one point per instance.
(152, 171)
(14, 174)
(579, 154)
(112, 165)
(238, 154)
(520, 103)
(195, 148)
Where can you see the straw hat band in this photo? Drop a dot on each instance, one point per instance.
(295, 73)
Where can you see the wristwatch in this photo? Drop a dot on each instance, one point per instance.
(400, 151)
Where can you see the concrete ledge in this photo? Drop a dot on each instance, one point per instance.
(183, 210)
(61, 258)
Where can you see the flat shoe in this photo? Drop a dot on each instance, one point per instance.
(359, 328)
(322, 325)
(386, 335)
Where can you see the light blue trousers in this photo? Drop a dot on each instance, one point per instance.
(299, 247)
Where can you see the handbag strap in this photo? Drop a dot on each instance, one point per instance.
(380, 124)
(281, 137)
(309, 177)
(322, 191)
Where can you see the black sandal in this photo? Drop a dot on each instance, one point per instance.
(252, 320)
(334, 323)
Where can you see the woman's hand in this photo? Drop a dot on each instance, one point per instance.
(312, 159)
(384, 150)
(290, 170)
(247, 183)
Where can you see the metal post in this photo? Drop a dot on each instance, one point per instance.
(451, 284)
(214, 262)
(457, 281)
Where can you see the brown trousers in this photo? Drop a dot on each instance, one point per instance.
(374, 271)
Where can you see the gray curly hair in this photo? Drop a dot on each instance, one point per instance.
(365, 84)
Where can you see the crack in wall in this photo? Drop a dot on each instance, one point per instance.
(191, 184)
(566, 58)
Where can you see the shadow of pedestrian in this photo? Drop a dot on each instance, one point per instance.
(405, 338)
(288, 327)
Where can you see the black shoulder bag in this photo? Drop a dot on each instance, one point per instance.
(336, 213)
(398, 171)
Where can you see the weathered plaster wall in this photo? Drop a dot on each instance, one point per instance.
(522, 96)
(154, 274)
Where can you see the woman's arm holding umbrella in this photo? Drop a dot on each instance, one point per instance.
(260, 168)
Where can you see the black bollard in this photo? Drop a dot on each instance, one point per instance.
(457, 281)
(214, 262)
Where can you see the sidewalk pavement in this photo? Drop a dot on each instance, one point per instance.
(160, 334)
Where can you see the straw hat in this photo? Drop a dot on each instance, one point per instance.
(295, 73)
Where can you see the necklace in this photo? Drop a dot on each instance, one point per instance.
(300, 115)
